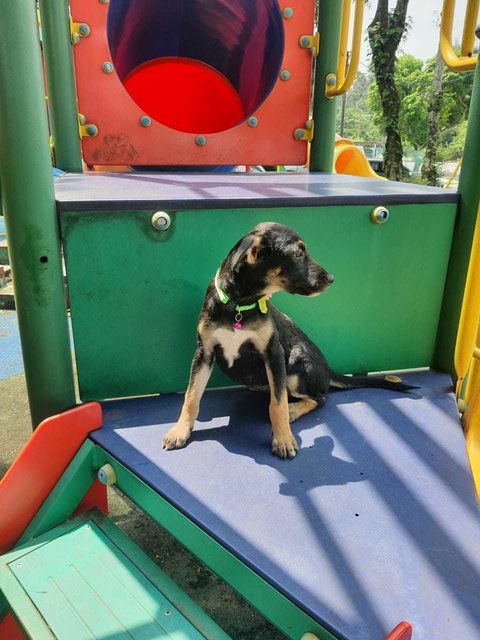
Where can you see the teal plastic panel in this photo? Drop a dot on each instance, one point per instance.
(85, 588)
(135, 293)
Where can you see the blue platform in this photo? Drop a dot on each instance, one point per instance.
(373, 522)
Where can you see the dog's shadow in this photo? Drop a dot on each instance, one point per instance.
(248, 434)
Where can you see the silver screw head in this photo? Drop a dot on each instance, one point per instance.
(379, 215)
(107, 67)
(285, 74)
(287, 12)
(298, 134)
(161, 221)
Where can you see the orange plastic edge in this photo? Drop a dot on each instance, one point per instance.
(402, 631)
(9, 629)
(96, 496)
(39, 466)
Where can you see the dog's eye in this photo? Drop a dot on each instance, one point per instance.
(300, 251)
(264, 252)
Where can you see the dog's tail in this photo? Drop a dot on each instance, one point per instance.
(394, 383)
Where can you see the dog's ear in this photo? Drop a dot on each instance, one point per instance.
(247, 250)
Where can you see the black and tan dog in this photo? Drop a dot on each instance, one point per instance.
(258, 346)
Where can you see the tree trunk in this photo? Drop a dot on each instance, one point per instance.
(385, 34)
(429, 167)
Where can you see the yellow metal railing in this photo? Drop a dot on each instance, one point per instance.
(467, 359)
(341, 81)
(471, 416)
(455, 171)
(466, 61)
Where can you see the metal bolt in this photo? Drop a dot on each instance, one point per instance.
(88, 526)
(83, 29)
(331, 80)
(107, 67)
(200, 141)
(252, 122)
(161, 221)
(145, 121)
(91, 130)
(285, 74)
(82, 119)
(167, 612)
(379, 215)
(304, 42)
(298, 134)
(75, 38)
(106, 475)
(287, 12)
(19, 564)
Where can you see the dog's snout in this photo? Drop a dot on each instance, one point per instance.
(329, 278)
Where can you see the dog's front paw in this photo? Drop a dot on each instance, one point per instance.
(176, 437)
(284, 446)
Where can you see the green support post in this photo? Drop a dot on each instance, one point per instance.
(30, 215)
(325, 109)
(62, 102)
(469, 190)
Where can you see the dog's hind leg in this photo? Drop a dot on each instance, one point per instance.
(298, 409)
(306, 403)
(178, 435)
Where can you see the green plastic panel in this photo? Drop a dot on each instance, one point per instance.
(135, 293)
(84, 587)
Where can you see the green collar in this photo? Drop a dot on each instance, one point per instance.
(261, 302)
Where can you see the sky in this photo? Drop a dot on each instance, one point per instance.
(422, 40)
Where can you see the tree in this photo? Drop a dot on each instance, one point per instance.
(412, 85)
(429, 167)
(385, 34)
(414, 80)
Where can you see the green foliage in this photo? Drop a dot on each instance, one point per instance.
(452, 143)
(359, 123)
(413, 79)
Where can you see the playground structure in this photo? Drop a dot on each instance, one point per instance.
(375, 521)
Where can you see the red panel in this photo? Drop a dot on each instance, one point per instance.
(96, 496)
(121, 139)
(39, 466)
(402, 631)
(9, 629)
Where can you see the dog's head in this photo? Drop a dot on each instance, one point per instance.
(272, 257)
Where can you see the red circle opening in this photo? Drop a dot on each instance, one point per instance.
(185, 94)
